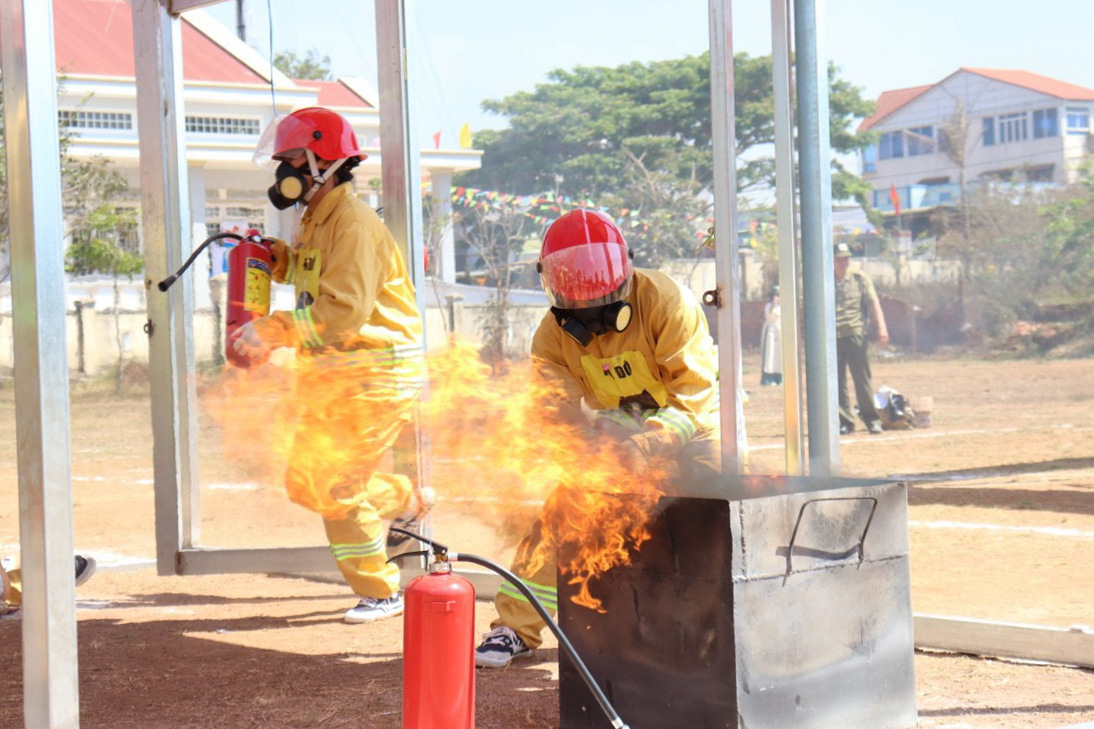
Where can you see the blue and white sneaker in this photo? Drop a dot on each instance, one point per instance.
(374, 608)
(499, 647)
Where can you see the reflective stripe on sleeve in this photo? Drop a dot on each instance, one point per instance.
(676, 422)
(305, 328)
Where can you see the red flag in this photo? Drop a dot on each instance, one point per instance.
(894, 198)
(437, 140)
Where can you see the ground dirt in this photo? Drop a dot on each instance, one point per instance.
(1001, 528)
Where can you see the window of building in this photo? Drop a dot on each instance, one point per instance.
(891, 145)
(1078, 120)
(1044, 124)
(1013, 127)
(1039, 173)
(240, 213)
(989, 131)
(869, 159)
(221, 125)
(95, 120)
(920, 141)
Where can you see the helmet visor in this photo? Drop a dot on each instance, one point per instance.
(584, 276)
(285, 137)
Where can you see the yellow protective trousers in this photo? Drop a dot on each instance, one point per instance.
(344, 433)
(11, 590)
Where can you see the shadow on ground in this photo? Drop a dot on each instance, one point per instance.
(167, 675)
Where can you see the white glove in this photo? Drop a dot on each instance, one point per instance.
(247, 343)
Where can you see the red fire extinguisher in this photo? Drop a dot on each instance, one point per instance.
(438, 642)
(438, 650)
(250, 265)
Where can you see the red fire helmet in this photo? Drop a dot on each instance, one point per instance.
(326, 133)
(585, 261)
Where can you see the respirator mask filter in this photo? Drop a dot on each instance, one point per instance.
(583, 324)
(289, 187)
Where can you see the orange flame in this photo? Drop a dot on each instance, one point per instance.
(490, 439)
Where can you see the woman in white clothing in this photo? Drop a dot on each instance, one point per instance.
(771, 358)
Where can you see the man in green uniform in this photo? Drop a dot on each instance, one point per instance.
(856, 305)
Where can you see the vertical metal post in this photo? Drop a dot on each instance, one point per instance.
(818, 279)
(785, 193)
(165, 222)
(401, 176)
(443, 229)
(50, 694)
(400, 166)
(726, 260)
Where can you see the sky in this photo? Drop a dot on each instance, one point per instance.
(466, 52)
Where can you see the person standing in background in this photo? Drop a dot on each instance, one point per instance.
(856, 303)
(771, 351)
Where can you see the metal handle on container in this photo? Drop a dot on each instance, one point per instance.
(801, 514)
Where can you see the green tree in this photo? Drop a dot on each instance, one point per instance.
(638, 136)
(497, 235)
(81, 182)
(308, 66)
(104, 241)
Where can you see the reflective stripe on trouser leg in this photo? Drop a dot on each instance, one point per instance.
(357, 542)
(514, 610)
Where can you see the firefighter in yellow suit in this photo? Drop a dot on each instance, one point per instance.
(635, 348)
(357, 332)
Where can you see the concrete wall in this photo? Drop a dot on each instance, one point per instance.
(100, 327)
(91, 306)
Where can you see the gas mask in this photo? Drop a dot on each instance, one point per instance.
(289, 187)
(583, 324)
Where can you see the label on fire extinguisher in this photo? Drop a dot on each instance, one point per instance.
(257, 298)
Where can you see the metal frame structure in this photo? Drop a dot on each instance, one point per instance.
(45, 487)
(51, 696)
(42, 408)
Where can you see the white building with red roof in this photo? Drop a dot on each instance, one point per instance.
(1018, 127)
(230, 93)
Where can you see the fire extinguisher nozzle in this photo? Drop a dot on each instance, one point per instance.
(166, 283)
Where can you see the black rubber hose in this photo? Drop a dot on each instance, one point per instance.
(563, 641)
(166, 283)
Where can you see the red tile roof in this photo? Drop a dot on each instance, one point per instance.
(891, 101)
(333, 93)
(1036, 82)
(95, 38)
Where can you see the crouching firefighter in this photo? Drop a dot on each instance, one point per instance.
(357, 334)
(608, 317)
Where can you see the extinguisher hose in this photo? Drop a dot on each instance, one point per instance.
(567, 646)
(563, 641)
(166, 283)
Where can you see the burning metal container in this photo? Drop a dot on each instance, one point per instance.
(784, 610)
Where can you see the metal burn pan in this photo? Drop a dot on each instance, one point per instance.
(786, 609)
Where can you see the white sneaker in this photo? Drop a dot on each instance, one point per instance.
(85, 567)
(372, 608)
(499, 647)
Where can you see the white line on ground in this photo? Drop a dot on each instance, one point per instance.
(1049, 531)
(892, 435)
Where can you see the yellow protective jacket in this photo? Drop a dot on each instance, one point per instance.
(658, 377)
(353, 291)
